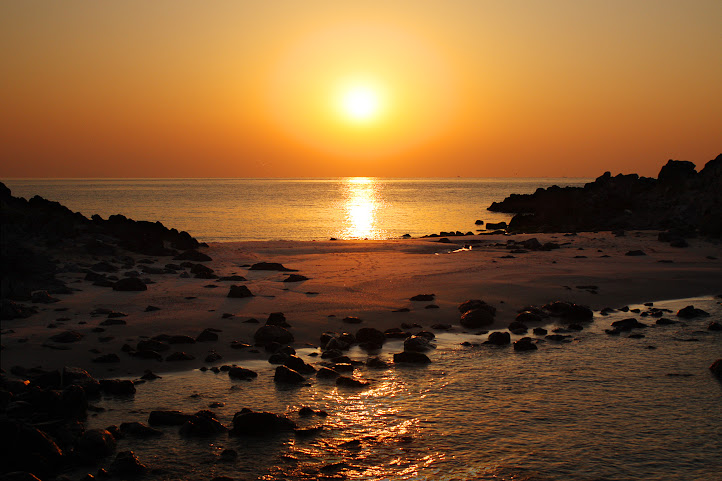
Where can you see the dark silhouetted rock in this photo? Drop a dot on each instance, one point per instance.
(96, 443)
(716, 368)
(714, 326)
(286, 375)
(139, 430)
(117, 387)
(239, 292)
(423, 297)
(241, 373)
(411, 357)
(207, 335)
(126, 463)
(270, 266)
(295, 278)
(180, 356)
(107, 358)
(249, 423)
(267, 334)
(130, 284)
(690, 312)
(417, 344)
(277, 319)
(525, 344)
(327, 373)
(370, 335)
(499, 338)
(477, 318)
(476, 304)
(628, 324)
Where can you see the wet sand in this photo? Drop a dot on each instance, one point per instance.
(365, 279)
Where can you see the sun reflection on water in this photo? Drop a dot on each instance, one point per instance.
(362, 201)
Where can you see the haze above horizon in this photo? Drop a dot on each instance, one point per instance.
(175, 89)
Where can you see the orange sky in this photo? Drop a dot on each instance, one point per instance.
(252, 89)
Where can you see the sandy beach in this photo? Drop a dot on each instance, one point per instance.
(371, 280)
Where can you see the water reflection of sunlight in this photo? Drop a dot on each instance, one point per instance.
(361, 203)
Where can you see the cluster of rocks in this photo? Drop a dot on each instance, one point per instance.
(680, 198)
(41, 418)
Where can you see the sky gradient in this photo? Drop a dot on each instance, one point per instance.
(254, 89)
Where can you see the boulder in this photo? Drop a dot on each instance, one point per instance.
(499, 338)
(423, 297)
(96, 443)
(628, 324)
(277, 319)
(130, 284)
(270, 266)
(207, 335)
(267, 334)
(569, 311)
(180, 356)
(716, 368)
(295, 278)
(528, 317)
(117, 387)
(411, 357)
(476, 304)
(126, 463)
(370, 335)
(67, 337)
(477, 318)
(525, 344)
(203, 423)
(327, 373)
(690, 312)
(299, 365)
(249, 423)
(346, 381)
(286, 375)
(239, 292)
(417, 344)
(237, 372)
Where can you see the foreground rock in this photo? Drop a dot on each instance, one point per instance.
(249, 423)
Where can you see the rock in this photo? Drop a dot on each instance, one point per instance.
(351, 320)
(714, 326)
(569, 311)
(117, 387)
(200, 271)
(479, 222)
(12, 310)
(299, 365)
(327, 373)
(152, 345)
(67, 337)
(239, 292)
(249, 423)
(628, 324)
(477, 318)
(346, 381)
(676, 171)
(203, 423)
(126, 463)
(208, 335)
(496, 225)
(113, 322)
(96, 443)
(423, 297)
(236, 372)
(267, 334)
(295, 278)
(167, 418)
(192, 255)
(411, 358)
(635, 253)
(270, 266)
(476, 304)
(690, 312)
(370, 335)
(417, 344)
(525, 344)
(286, 375)
(499, 338)
(441, 327)
(130, 284)
(139, 430)
(665, 322)
(277, 319)
(42, 297)
(149, 375)
(518, 327)
(539, 331)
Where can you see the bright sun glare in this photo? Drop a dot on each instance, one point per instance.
(360, 103)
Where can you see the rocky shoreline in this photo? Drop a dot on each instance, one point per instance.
(682, 199)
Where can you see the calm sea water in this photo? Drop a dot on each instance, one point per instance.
(595, 408)
(294, 209)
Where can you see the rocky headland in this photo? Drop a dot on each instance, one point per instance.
(680, 198)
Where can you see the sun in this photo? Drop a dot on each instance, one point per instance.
(360, 103)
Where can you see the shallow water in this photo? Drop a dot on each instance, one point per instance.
(291, 209)
(597, 408)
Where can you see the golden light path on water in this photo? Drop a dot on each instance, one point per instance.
(362, 201)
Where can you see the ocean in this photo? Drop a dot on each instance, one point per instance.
(292, 209)
(593, 407)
